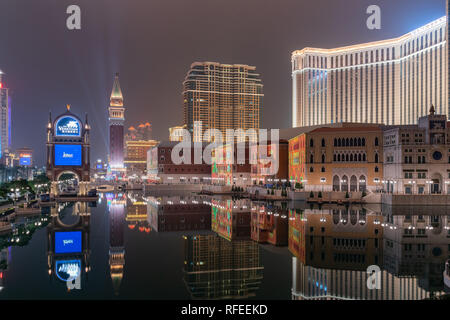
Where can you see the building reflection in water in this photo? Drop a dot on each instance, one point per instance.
(231, 219)
(269, 224)
(217, 268)
(116, 208)
(179, 213)
(137, 213)
(333, 247)
(68, 245)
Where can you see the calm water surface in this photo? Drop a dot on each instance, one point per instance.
(127, 246)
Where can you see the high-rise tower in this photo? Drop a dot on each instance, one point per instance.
(5, 119)
(222, 96)
(116, 122)
(448, 55)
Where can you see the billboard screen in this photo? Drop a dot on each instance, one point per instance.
(68, 126)
(68, 242)
(67, 155)
(25, 161)
(68, 270)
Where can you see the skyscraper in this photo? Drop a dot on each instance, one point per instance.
(222, 97)
(448, 53)
(392, 82)
(116, 122)
(5, 118)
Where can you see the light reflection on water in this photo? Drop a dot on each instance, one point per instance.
(130, 246)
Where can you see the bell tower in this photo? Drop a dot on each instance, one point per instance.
(116, 123)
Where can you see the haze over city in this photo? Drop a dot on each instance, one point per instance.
(152, 44)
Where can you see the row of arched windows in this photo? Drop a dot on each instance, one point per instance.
(350, 157)
(346, 142)
(353, 142)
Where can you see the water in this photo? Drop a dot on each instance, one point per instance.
(195, 247)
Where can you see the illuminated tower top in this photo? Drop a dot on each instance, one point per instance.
(116, 94)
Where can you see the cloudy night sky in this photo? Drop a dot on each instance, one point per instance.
(152, 43)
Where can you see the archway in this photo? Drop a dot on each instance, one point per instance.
(344, 184)
(336, 183)
(436, 185)
(68, 183)
(362, 183)
(353, 184)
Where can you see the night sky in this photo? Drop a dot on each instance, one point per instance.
(152, 43)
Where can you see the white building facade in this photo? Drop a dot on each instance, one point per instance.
(417, 157)
(390, 82)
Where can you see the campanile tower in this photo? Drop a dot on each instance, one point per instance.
(116, 122)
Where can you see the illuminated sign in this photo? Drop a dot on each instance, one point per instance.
(68, 242)
(25, 160)
(68, 270)
(67, 155)
(99, 166)
(68, 127)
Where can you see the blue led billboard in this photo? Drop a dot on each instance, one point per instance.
(68, 242)
(68, 126)
(67, 155)
(25, 161)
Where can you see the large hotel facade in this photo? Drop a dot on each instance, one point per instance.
(390, 82)
(222, 97)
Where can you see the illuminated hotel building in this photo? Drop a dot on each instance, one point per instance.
(5, 118)
(176, 133)
(116, 121)
(390, 82)
(222, 97)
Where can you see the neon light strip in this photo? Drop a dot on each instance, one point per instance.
(407, 37)
(373, 63)
(218, 92)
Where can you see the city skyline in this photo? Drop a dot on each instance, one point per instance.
(78, 70)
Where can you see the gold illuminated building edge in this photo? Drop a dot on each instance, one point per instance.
(390, 82)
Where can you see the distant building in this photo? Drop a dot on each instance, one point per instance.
(161, 168)
(142, 132)
(5, 119)
(25, 157)
(116, 122)
(136, 155)
(176, 133)
(222, 97)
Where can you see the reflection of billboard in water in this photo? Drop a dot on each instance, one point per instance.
(67, 155)
(297, 158)
(68, 270)
(68, 242)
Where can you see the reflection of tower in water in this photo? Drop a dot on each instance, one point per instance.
(216, 268)
(116, 205)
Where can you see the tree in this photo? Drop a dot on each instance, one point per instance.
(311, 194)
